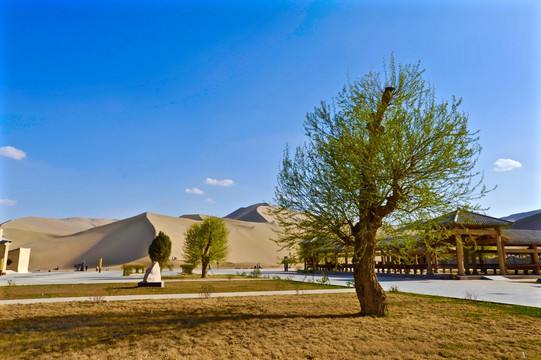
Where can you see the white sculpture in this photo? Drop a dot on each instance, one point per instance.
(152, 277)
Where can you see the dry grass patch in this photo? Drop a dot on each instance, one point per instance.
(270, 327)
(96, 291)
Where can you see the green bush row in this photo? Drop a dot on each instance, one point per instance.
(128, 269)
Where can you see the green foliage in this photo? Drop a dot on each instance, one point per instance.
(160, 249)
(255, 273)
(128, 269)
(206, 242)
(324, 279)
(291, 260)
(397, 157)
(187, 268)
(384, 152)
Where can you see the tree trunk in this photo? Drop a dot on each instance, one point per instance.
(371, 296)
(204, 268)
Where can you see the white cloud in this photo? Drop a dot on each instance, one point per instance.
(11, 152)
(8, 202)
(224, 182)
(506, 165)
(195, 191)
(211, 201)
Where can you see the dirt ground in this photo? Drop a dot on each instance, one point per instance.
(271, 327)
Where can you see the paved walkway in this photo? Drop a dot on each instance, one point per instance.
(175, 296)
(501, 291)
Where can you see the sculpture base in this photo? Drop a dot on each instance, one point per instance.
(150, 284)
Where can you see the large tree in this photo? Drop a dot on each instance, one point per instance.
(206, 242)
(160, 249)
(384, 152)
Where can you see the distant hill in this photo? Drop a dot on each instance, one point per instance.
(255, 213)
(532, 222)
(64, 242)
(518, 216)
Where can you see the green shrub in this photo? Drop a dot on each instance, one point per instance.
(256, 273)
(187, 268)
(128, 269)
(160, 249)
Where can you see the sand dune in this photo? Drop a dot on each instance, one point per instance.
(522, 215)
(254, 213)
(532, 222)
(55, 226)
(127, 241)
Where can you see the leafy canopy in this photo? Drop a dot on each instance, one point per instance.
(160, 249)
(385, 151)
(206, 242)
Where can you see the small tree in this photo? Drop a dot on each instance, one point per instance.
(160, 249)
(206, 242)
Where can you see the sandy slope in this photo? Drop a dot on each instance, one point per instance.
(127, 240)
(55, 226)
(254, 213)
(532, 222)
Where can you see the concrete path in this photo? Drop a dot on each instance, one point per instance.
(504, 291)
(527, 293)
(175, 296)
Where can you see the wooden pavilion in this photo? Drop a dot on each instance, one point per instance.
(473, 244)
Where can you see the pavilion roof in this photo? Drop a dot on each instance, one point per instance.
(463, 217)
(323, 245)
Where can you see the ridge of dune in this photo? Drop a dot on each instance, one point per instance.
(253, 213)
(55, 226)
(532, 222)
(197, 217)
(521, 215)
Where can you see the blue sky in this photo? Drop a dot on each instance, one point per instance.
(114, 108)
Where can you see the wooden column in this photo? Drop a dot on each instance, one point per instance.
(436, 264)
(482, 260)
(535, 258)
(466, 261)
(459, 255)
(501, 252)
(428, 263)
(474, 262)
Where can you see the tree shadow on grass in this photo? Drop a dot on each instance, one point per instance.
(59, 334)
(142, 321)
(104, 327)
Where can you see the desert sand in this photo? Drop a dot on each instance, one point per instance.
(64, 242)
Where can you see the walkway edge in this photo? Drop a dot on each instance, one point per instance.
(174, 296)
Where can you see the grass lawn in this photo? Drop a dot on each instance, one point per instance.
(271, 327)
(178, 286)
